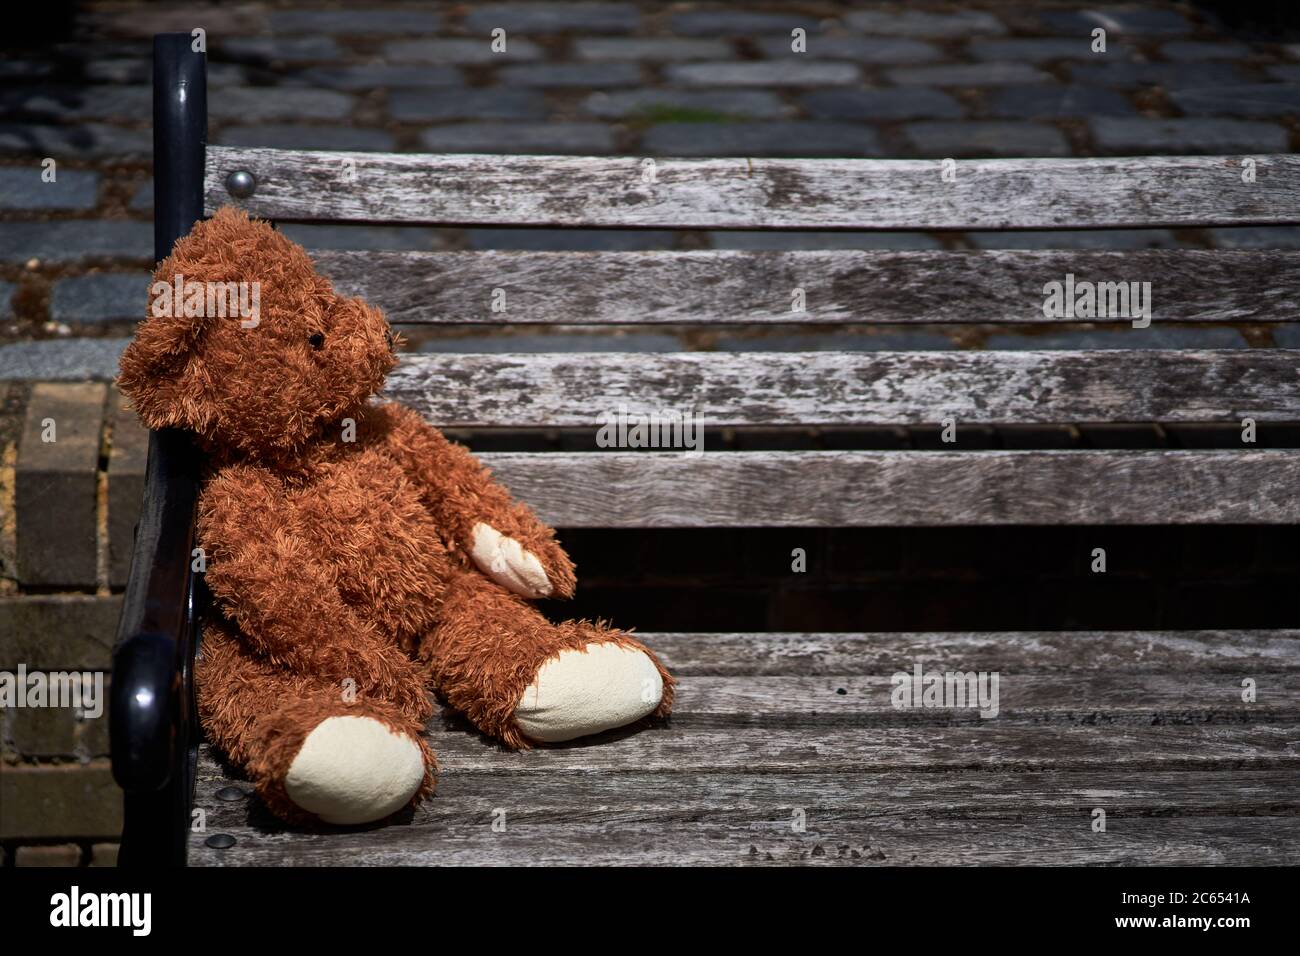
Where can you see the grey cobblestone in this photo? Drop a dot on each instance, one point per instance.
(102, 297)
(142, 199)
(543, 18)
(85, 140)
(613, 340)
(667, 103)
(381, 238)
(662, 49)
(276, 49)
(61, 360)
(1286, 336)
(1187, 135)
(26, 69)
(1255, 237)
(783, 240)
(369, 76)
(289, 136)
(488, 103)
(796, 138)
(140, 70)
(570, 74)
(879, 339)
(918, 23)
(882, 105)
(81, 102)
(251, 104)
(21, 187)
(1286, 72)
(1202, 50)
(462, 51)
(1041, 49)
(1049, 102)
(731, 22)
(520, 138)
(135, 103)
(961, 138)
(872, 50)
(1259, 99)
(365, 22)
(764, 73)
(73, 240)
(1075, 239)
(1135, 20)
(1172, 75)
(968, 74)
(576, 240)
(1156, 336)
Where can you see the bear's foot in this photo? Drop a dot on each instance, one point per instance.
(353, 769)
(583, 691)
(313, 753)
(524, 680)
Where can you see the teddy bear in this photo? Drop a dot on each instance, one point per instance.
(357, 558)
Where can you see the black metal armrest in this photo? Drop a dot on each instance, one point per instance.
(152, 723)
(150, 706)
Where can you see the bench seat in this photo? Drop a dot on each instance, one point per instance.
(1149, 727)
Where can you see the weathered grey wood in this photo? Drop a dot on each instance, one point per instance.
(855, 700)
(640, 797)
(840, 286)
(853, 388)
(911, 488)
(987, 745)
(709, 785)
(772, 654)
(866, 841)
(758, 193)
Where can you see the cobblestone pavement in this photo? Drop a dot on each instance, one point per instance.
(886, 79)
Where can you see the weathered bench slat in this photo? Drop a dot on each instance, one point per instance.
(865, 838)
(546, 798)
(1239, 653)
(840, 286)
(853, 388)
(909, 488)
(708, 785)
(865, 701)
(758, 193)
(987, 744)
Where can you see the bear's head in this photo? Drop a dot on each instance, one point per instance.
(247, 346)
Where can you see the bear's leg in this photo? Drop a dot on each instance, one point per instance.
(522, 679)
(313, 753)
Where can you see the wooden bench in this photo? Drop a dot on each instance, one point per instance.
(787, 747)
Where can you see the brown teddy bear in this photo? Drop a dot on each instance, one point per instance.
(357, 558)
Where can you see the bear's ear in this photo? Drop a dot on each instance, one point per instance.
(161, 369)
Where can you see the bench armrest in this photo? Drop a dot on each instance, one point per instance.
(151, 708)
(152, 727)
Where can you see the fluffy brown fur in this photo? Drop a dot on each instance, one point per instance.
(333, 561)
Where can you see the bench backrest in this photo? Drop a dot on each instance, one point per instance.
(827, 389)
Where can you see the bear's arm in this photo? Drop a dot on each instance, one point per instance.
(271, 583)
(478, 514)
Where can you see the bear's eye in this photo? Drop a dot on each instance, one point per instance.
(316, 340)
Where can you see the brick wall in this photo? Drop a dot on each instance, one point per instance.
(73, 473)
